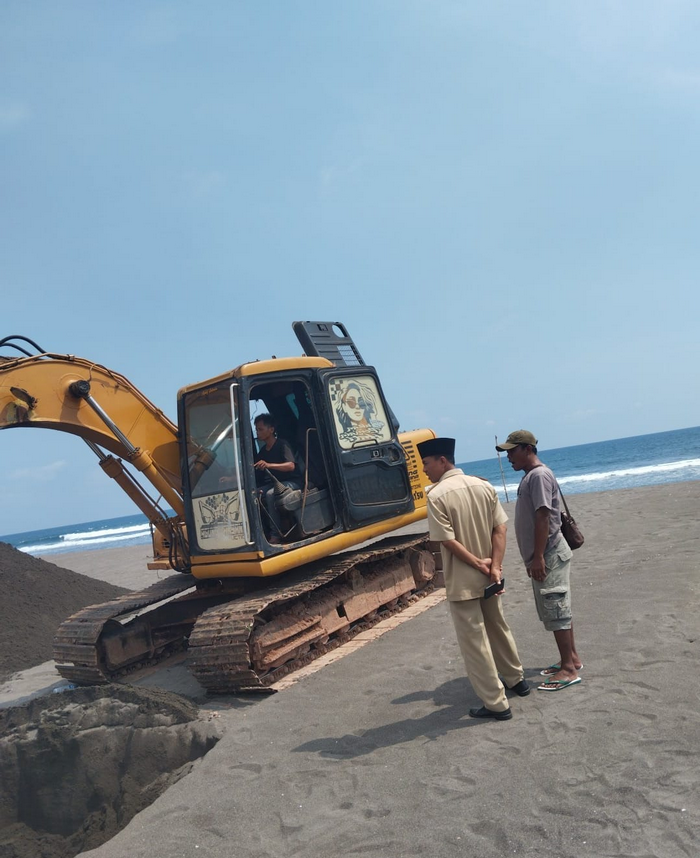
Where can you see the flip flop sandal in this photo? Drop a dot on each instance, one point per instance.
(557, 684)
(554, 668)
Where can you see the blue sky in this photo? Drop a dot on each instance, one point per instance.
(499, 200)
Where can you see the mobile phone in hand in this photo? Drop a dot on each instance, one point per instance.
(492, 589)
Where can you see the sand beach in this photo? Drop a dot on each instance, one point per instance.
(374, 754)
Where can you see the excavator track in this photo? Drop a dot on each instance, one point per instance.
(242, 639)
(250, 643)
(79, 650)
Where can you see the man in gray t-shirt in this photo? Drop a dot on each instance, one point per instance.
(538, 489)
(545, 553)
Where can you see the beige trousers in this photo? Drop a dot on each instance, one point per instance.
(488, 648)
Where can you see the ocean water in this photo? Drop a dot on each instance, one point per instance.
(645, 460)
(107, 533)
(624, 463)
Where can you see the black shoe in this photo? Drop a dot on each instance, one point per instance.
(522, 689)
(506, 715)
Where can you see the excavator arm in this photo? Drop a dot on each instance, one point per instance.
(70, 394)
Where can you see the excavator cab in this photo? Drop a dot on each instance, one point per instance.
(354, 477)
(350, 465)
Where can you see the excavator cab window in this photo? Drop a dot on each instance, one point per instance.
(290, 404)
(215, 468)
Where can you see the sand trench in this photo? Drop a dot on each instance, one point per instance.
(75, 767)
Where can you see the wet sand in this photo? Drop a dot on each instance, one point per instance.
(375, 754)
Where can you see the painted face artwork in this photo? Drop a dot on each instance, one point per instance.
(355, 407)
(359, 413)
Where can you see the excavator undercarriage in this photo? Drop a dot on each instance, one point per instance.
(241, 639)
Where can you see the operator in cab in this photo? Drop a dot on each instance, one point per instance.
(275, 458)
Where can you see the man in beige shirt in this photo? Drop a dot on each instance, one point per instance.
(466, 517)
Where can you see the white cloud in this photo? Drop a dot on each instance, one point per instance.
(331, 176)
(415, 418)
(680, 79)
(644, 26)
(328, 175)
(203, 183)
(160, 25)
(41, 474)
(12, 115)
(583, 414)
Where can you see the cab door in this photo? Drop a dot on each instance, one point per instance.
(371, 461)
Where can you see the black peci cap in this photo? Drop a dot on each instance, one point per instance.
(437, 447)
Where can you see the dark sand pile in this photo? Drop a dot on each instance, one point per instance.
(76, 767)
(36, 597)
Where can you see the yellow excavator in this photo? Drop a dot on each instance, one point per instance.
(265, 579)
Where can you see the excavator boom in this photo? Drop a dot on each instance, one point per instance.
(43, 391)
(73, 395)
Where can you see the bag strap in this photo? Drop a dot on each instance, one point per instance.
(561, 495)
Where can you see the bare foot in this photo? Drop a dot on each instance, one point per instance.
(564, 675)
(555, 669)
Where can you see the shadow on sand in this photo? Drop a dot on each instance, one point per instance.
(454, 699)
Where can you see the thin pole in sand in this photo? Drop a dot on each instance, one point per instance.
(503, 476)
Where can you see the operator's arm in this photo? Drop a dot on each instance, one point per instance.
(280, 467)
(537, 568)
(285, 467)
